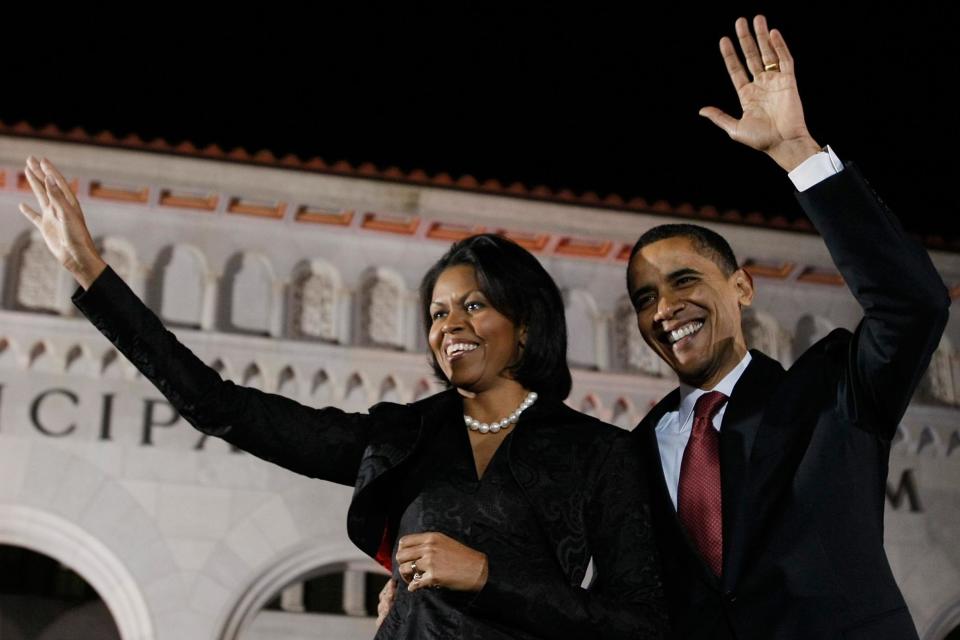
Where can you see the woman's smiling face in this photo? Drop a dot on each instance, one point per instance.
(474, 344)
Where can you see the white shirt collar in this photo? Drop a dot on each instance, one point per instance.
(689, 395)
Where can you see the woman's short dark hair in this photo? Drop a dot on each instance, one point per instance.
(518, 286)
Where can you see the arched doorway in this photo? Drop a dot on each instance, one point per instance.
(311, 591)
(333, 602)
(946, 624)
(54, 537)
(45, 599)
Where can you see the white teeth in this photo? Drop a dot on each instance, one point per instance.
(460, 346)
(685, 330)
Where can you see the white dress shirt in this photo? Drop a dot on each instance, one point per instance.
(673, 430)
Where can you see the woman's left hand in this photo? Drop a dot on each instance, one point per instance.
(433, 559)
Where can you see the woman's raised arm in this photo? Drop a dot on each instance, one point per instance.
(322, 443)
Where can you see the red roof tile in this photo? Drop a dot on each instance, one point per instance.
(418, 176)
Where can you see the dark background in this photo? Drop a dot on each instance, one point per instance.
(591, 98)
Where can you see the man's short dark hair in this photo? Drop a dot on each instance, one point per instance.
(708, 243)
(518, 286)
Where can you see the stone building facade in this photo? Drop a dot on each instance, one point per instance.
(304, 283)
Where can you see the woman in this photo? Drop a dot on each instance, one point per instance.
(492, 496)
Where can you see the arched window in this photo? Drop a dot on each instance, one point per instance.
(389, 391)
(355, 394)
(287, 384)
(179, 286)
(591, 406)
(79, 361)
(38, 276)
(253, 377)
(581, 315)
(938, 384)
(249, 294)
(112, 365)
(630, 351)
(43, 357)
(221, 367)
(624, 415)
(7, 357)
(929, 442)
(314, 302)
(764, 333)
(321, 390)
(120, 255)
(382, 309)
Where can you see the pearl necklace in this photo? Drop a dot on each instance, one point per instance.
(494, 427)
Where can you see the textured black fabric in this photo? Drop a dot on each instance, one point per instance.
(491, 515)
(581, 477)
(804, 452)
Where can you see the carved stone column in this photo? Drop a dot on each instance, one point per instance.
(354, 593)
(291, 598)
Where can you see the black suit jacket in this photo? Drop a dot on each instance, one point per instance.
(804, 452)
(581, 476)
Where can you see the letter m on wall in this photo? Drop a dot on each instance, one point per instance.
(907, 488)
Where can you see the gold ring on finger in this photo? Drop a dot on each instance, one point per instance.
(772, 66)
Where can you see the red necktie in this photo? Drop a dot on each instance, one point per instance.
(698, 495)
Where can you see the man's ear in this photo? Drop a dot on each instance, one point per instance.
(743, 283)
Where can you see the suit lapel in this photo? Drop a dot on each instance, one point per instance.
(647, 431)
(738, 433)
(400, 431)
(742, 420)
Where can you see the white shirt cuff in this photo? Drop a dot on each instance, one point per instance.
(817, 167)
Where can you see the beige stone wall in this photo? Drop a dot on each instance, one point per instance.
(185, 542)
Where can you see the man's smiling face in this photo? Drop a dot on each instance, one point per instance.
(688, 309)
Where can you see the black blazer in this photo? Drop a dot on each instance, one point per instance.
(582, 476)
(804, 452)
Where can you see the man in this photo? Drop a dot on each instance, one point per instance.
(768, 499)
(768, 486)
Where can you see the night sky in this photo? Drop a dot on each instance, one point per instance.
(591, 99)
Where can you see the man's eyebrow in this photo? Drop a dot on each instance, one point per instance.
(673, 275)
(686, 271)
